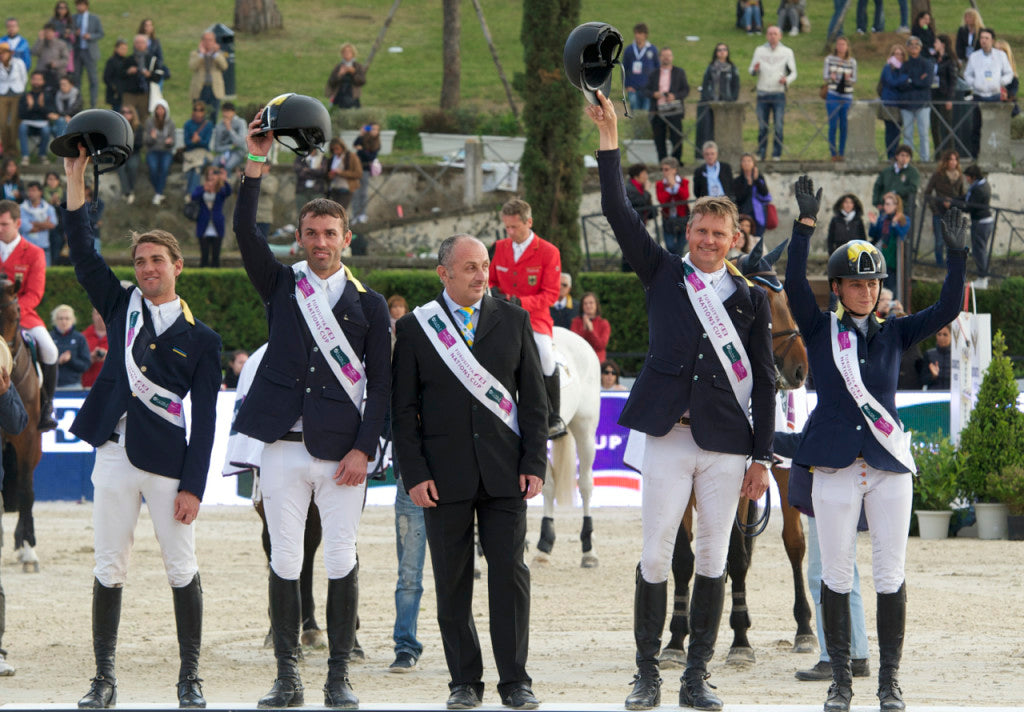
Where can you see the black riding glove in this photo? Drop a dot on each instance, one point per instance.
(808, 202)
(510, 298)
(954, 229)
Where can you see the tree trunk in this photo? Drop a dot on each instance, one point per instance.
(255, 16)
(451, 58)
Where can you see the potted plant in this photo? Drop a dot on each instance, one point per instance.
(992, 441)
(936, 485)
(1008, 486)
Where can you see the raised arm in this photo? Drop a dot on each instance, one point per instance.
(798, 290)
(260, 264)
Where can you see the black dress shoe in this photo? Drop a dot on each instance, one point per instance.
(190, 692)
(102, 694)
(463, 697)
(520, 698)
(286, 692)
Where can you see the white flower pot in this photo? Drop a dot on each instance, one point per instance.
(503, 149)
(442, 144)
(640, 151)
(933, 525)
(992, 520)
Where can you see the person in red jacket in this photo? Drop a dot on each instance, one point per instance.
(526, 270)
(21, 259)
(592, 326)
(673, 192)
(96, 337)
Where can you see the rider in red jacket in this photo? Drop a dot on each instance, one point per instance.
(526, 270)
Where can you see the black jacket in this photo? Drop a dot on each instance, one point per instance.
(839, 230)
(677, 85)
(700, 180)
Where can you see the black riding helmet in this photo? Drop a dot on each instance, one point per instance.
(857, 259)
(299, 122)
(591, 52)
(106, 135)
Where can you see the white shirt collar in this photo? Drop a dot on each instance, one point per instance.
(164, 314)
(333, 286)
(519, 248)
(719, 279)
(7, 248)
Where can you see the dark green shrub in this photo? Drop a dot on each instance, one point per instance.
(407, 131)
(939, 468)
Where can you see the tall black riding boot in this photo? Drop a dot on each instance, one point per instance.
(342, 604)
(106, 616)
(553, 386)
(705, 614)
(649, 601)
(892, 621)
(46, 390)
(188, 615)
(285, 618)
(835, 613)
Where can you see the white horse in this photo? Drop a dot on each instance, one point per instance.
(580, 373)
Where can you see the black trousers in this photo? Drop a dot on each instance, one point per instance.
(502, 524)
(668, 135)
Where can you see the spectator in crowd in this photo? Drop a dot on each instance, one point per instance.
(38, 219)
(594, 328)
(750, 193)
(667, 88)
(310, 178)
(67, 102)
(968, 35)
(792, 14)
(229, 138)
(53, 193)
(562, 311)
(891, 82)
(35, 111)
(900, 178)
(878, 25)
(775, 68)
(64, 26)
(947, 184)
(915, 99)
(18, 44)
(673, 191)
(345, 85)
(96, 337)
(52, 56)
(936, 374)
(885, 300)
(265, 209)
(610, 377)
(751, 16)
(747, 226)
(87, 31)
(153, 46)
(641, 61)
(713, 177)
(637, 193)
(198, 131)
(143, 69)
(72, 348)
(947, 68)
(840, 74)
(1009, 92)
(847, 222)
(207, 63)
(115, 75)
(976, 202)
(988, 73)
(158, 138)
(128, 172)
(10, 182)
(889, 227)
(210, 222)
(366, 146)
(344, 172)
(721, 83)
(234, 369)
(924, 31)
(13, 78)
(397, 308)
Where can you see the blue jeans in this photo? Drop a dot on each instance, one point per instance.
(411, 545)
(675, 242)
(752, 17)
(922, 117)
(859, 639)
(638, 101)
(837, 106)
(905, 14)
(60, 127)
(43, 132)
(159, 164)
(981, 233)
(838, 7)
(940, 244)
(767, 105)
(862, 16)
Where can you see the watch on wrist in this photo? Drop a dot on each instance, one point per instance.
(767, 464)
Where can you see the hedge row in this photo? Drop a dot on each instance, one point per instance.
(226, 301)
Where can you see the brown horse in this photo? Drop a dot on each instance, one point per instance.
(791, 370)
(21, 452)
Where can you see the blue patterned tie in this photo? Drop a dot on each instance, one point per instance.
(467, 323)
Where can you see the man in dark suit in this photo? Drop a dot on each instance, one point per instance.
(470, 433)
(329, 350)
(667, 88)
(709, 365)
(134, 417)
(713, 177)
(562, 311)
(12, 421)
(86, 33)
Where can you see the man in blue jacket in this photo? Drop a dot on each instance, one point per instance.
(158, 354)
(640, 58)
(12, 421)
(709, 367)
(854, 440)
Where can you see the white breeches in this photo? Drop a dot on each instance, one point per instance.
(119, 488)
(546, 349)
(673, 466)
(837, 496)
(44, 343)
(288, 477)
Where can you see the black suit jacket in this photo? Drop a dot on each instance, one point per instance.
(442, 433)
(677, 85)
(700, 180)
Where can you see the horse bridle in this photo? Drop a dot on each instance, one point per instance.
(790, 335)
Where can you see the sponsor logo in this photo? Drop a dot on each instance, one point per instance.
(304, 286)
(875, 417)
(692, 278)
(347, 368)
(172, 407)
(844, 340)
(498, 397)
(734, 359)
(442, 331)
(133, 319)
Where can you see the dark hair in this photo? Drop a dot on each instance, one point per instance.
(640, 27)
(50, 26)
(236, 353)
(56, 8)
(635, 170)
(319, 207)
(974, 172)
(988, 30)
(397, 300)
(613, 366)
(36, 71)
(142, 27)
(228, 106)
(920, 15)
(9, 207)
(198, 105)
(714, 52)
(950, 46)
(597, 302)
(904, 148)
(34, 184)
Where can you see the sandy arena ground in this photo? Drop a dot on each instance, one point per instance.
(964, 596)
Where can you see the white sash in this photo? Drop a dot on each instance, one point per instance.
(720, 329)
(345, 363)
(159, 400)
(885, 428)
(460, 360)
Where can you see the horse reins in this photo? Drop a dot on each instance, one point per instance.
(752, 530)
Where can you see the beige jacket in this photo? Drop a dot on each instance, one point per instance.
(197, 66)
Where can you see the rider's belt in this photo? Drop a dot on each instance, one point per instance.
(292, 436)
(684, 420)
(114, 437)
